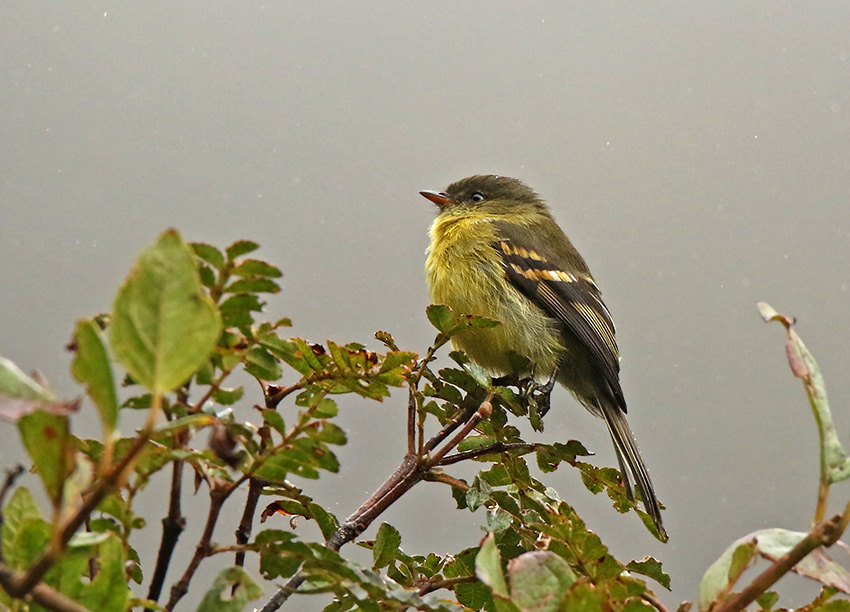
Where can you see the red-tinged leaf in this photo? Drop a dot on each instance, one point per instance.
(13, 408)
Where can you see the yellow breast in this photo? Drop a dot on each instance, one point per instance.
(465, 272)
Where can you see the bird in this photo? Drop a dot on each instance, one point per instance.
(496, 251)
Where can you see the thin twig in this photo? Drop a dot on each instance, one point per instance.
(653, 601)
(172, 526)
(411, 422)
(217, 498)
(445, 583)
(243, 533)
(492, 449)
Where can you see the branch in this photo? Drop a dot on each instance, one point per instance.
(243, 533)
(413, 469)
(202, 550)
(823, 534)
(111, 481)
(492, 449)
(41, 594)
(172, 526)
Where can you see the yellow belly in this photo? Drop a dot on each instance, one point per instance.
(465, 273)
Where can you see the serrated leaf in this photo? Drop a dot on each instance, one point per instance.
(24, 533)
(253, 285)
(93, 368)
(261, 364)
(209, 254)
(399, 359)
(386, 547)
(232, 590)
(241, 247)
(255, 267)
(163, 326)
(650, 567)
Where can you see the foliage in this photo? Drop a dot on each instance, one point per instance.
(182, 324)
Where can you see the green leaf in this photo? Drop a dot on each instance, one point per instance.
(222, 598)
(835, 464)
(488, 566)
(768, 599)
(24, 533)
(255, 267)
(449, 322)
(225, 397)
(164, 326)
(650, 567)
(386, 547)
(93, 368)
(253, 285)
(209, 254)
(241, 247)
(14, 383)
(539, 580)
(108, 591)
(260, 363)
(399, 359)
(51, 449)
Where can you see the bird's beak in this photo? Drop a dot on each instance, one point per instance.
(440, 199)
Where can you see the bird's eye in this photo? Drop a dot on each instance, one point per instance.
(477, 197)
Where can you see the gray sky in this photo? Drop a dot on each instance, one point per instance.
(696, 153)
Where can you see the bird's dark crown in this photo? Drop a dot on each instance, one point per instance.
(489, 187)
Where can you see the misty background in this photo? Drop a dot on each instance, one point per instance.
(698, 154)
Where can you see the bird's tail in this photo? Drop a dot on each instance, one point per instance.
(632, 463)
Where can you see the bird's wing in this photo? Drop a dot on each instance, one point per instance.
(569, 295)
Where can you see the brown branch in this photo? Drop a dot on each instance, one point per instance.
(445, 583)
(243, 533)
(653, 601)
(110, 481)
(413, 469)
(12, 474)
(492, 449)
(41, 594)
(823, 534)
(411, 422)
(202, 550)
(172, 526)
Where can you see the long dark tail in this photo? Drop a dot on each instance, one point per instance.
(631, 463)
